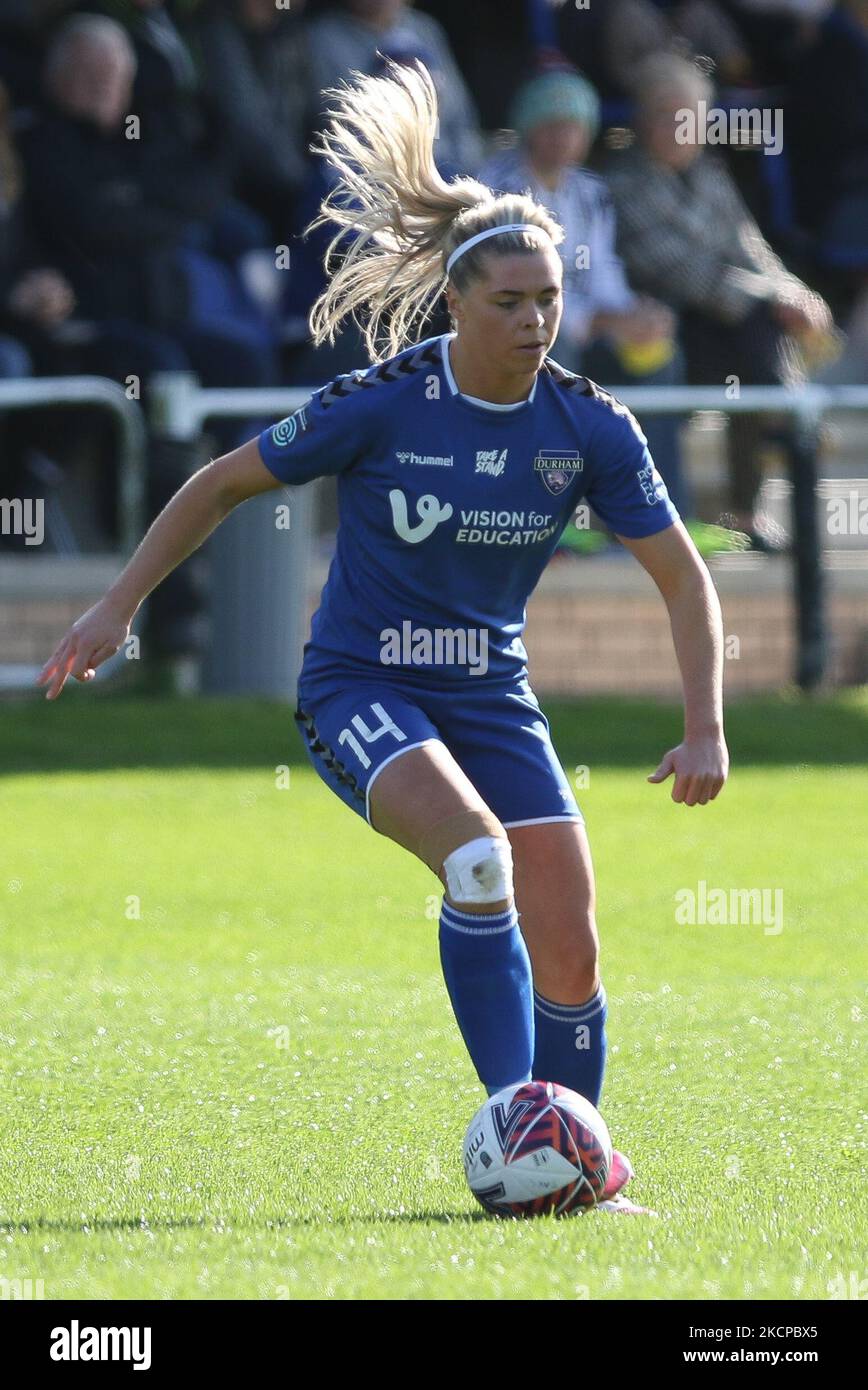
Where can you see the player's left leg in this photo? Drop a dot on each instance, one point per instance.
(555, 899)
(555, 893)
(502, 740)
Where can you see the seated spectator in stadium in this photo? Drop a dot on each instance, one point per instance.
(21, 27)
(359, 31)
(167, 91)
(36, 302)
(827, 125)
(609, 41)
(181, 127)
(256, 74)
(119, 218)
(776, 33)
(363, 35)
(14, 357)
(607, 332)
(492, 52)
(687, 238)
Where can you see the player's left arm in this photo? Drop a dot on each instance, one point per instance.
(701, 761)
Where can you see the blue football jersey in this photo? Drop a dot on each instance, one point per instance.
(450, 509)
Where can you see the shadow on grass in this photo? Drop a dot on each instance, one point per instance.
(87, 731)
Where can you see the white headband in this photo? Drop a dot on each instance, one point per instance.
(492, 231)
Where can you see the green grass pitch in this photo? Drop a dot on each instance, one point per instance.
(229, 1069)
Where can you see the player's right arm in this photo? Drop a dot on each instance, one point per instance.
(181, 527)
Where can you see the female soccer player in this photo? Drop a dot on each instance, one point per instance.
(460, 459)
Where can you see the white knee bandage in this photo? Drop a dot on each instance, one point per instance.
(480, 871)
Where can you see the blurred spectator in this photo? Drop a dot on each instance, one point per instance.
(827, 124)
(35, 303)
(256, 73)
(167, 95)
(20, 48)
(122, 217)
(15, 294)
(359, 33)
(608, 41)
(118, 213)
(687, 237)
(776, 32)
(109, 205)
(180, 127)
(607, 331)
(492, 52)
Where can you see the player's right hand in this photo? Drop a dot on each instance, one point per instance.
(91, 640)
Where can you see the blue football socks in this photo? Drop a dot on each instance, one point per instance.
(571, 1044)
(488, 975)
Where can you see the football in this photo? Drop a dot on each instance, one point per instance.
(535, 1149)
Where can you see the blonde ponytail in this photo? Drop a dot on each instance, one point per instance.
(407, 220)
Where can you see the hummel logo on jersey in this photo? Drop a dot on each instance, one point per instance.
(487, 461)
(557, 467)
(437, 460)
(431, 513)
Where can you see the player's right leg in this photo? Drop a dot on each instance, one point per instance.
(382, 755)
(426, 803)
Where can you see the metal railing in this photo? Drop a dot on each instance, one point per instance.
(183, 407)
(806, 405)
(250, 652)
(97, 390)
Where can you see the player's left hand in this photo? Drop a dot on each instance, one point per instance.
(700, 766)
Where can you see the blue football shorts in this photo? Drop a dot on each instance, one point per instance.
(499, 736)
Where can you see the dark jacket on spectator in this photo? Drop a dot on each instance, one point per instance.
(492, 52)
(113, 211)
(19, 249)
(827, 120)
(259, 83)
(9, 265)
(168, 96)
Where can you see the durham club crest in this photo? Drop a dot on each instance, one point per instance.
(557, 468)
